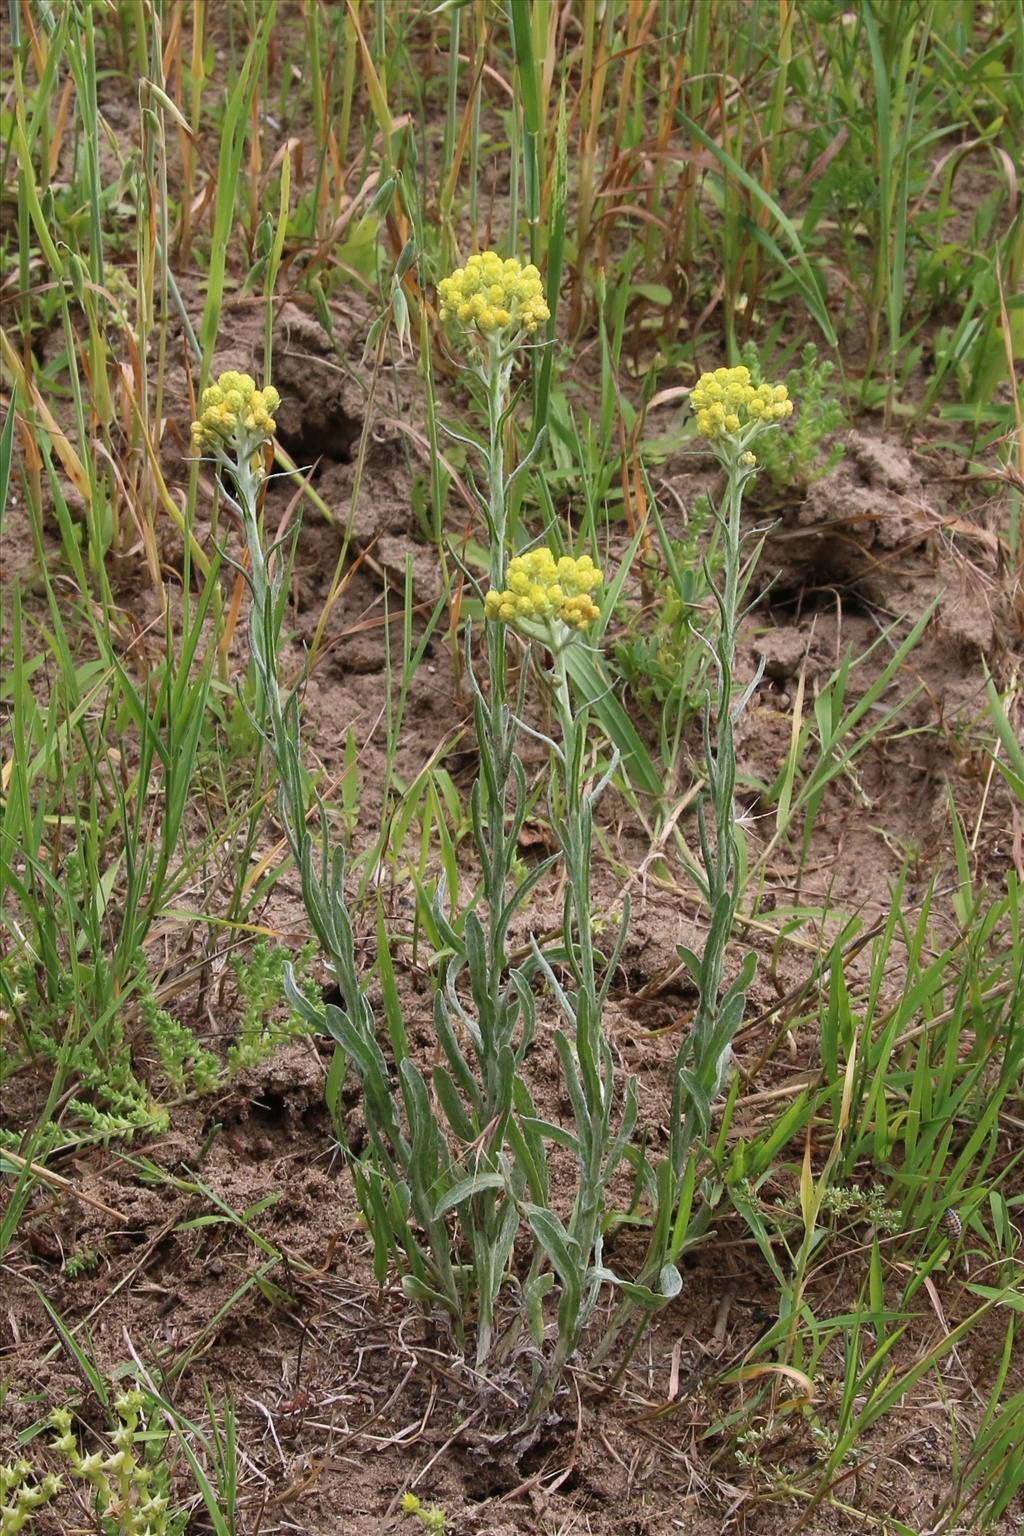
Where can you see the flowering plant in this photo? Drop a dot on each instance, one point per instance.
(732, 413)
(454, 1173)
(235, 415)
(728, 405)
(502, 300)
(546, 599)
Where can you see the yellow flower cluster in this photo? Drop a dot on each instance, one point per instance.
(541, 588)
(726, 401)
(234, 412)
(492, 295)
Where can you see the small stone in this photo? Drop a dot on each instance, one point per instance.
(883, 462)
(783, 651)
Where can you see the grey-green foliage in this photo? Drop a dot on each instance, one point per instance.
(410, 1178)
(703, 1057)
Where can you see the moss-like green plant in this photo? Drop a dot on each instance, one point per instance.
(22, 1493)
(795, 459)
(129, 1489)
(260, 980)
(431, 1516)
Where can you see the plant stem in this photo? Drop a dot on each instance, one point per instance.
(703, 1057)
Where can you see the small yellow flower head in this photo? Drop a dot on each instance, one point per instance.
(544, 597)
(726, 402)
(234, 414)
(498, 298)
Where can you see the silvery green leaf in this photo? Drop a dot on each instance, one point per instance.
(476, 1184)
